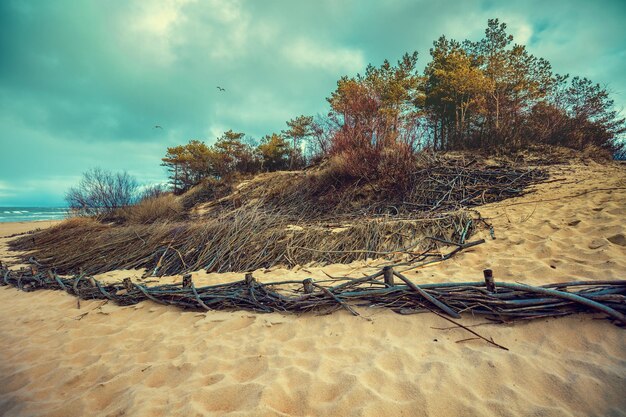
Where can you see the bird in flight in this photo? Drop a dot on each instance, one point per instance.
(158, 127)
(220, 88)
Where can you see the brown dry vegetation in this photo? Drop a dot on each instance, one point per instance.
(162, 208)
(240, 240)
(289, 218)
(434, 183)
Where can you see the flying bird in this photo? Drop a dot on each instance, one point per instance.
(220, 88)
(158, 127)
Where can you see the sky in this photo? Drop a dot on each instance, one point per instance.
(84, 82)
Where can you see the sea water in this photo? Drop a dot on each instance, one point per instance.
(28, 214)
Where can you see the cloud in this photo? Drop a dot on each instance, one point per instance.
(84, 83)
(148, 29)
(5, 190)
(306, 53)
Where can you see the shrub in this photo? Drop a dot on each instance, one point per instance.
(395, 169)
(152, 191)
(101, 192)
(166, 207)
(208, 189)
(274, 151)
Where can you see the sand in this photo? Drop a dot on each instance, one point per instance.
(7, 230)
(150, 360)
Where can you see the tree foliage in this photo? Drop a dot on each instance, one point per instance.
(299, 130)
(275, 153)
(494, 94)
(188, 164)
(231, 155)
(375, 114)
(490, 93)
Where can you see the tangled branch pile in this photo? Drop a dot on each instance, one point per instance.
(500, 301)
(288, 219)
(242, 240)
(436, 185)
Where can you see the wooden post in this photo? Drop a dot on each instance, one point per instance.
(489, 282)
(249, 279)
(34, 270)
(388, 274)
(128, 284)
(308, 285)
(187, 281)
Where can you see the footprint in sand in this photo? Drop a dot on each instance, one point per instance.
(213, 379)
(618, 239)
(597, 243)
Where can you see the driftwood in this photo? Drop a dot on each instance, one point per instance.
(499, 301)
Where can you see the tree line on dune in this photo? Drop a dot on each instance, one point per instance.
(234, 154)
(490, 95)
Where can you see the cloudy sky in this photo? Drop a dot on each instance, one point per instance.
(84, 82)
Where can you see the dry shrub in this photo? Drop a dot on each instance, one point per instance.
(343, 180)
(166, 207)
(74, 224)
(597, 153)
(396, 166)
(101, 193)
(242, 240)
(374, 154)
(358, 158)
(335, 174)
(209, 189)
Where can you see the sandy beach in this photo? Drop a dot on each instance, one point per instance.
(7, 229)
(151, 360)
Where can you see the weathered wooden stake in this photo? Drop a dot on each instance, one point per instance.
(308, 285)
(489, 282)
(187, 281)
(388, 274)
(249, 279)
(34, 270)
(128, 284)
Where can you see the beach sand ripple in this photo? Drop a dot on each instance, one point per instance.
(150, 360)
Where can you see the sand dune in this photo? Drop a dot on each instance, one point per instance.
(150, 360)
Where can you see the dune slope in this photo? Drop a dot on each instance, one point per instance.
(149, 360)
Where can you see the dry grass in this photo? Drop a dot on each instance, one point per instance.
(285, 218)
(242, 240)
(329, 192)
(207, 190)
(166, 207)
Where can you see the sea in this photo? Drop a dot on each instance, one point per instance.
(29, 214)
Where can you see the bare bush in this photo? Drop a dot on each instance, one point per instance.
(153, 191)
(101, 192)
